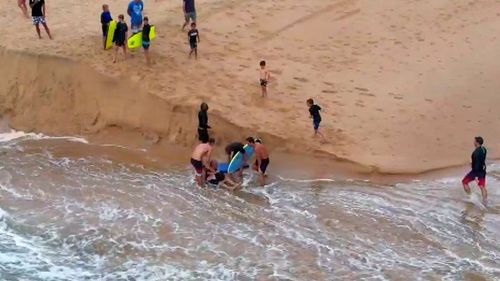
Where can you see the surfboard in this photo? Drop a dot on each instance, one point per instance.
(238, 160)
(135, 41)
(111, 34)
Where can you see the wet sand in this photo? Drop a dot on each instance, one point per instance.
(405, 86)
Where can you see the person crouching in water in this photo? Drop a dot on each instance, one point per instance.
(217, 178)
(146, 41)
(200, 159)
(261, 159)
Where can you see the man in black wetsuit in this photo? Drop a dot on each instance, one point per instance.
(203, 122)
(478, 171)
(232, 149)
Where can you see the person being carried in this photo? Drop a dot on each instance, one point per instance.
(120, 36)
(200, 159)
(194, 39)
(478, 171)
(264, 78)
(22, 5)
(217, 178)
(38, 13)
(146, 42)
(134, 10)
(105, 20)
(261, 159)
(316, 116)
(203, 122)
(189, 10)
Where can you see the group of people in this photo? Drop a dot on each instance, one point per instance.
(206, 168)
(138, 23)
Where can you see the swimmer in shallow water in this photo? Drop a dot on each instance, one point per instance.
(261, 159)
(217, 178)
(200, 159)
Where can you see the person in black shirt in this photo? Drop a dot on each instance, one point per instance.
(120, 36)
(315, 115)
(478, 171)
(194, 39)
(233, 148)
(146, 42)
(203, 122)
(38, 13)
(105, 20)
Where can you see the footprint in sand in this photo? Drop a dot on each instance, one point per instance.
(329, 91)
(300, 79)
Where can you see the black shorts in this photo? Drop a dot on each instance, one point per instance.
(105, 28)
(193, 45)
(263, 165)
(120, 43)
(198, 166)
(202, 134)
(219, 177)
(263, 83)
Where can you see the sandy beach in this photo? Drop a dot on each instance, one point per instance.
(405, 85)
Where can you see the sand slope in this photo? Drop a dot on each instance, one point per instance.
(405, 85)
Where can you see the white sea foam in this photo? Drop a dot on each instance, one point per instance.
(20, 135)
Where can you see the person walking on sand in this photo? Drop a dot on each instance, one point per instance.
(316, 116)
(134, 10)
(264, 78)
(189, 9)
(38, 13)
(120, 37)
(200, 159)
(146, 41)
(261, 159)
(22, 5)
(194, 39)
(478, 171)
(105, 20)
(203, 122)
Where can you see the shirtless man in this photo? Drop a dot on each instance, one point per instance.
(200, 159)
(264, 78)
(261, 159)
(23, 7)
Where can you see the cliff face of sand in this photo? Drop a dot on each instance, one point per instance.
(405, 85)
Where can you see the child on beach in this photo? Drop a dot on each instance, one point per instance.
(314, 114)
(264, 78)
(120, 37)
(146, 42)
(194, 39)
(38, 14)
(105, 20)
(22, 5)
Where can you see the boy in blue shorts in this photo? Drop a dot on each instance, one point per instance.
(316, 116)
(146, 41)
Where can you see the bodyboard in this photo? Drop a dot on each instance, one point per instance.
(238, 160)
(111, 34)
(135, 41)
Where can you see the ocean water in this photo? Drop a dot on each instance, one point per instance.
(93, 218)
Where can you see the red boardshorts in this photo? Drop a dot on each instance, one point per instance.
(472, 176)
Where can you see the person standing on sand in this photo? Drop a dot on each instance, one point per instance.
(134, 10)
(105, 20)
(189, 10)
(203, 122)
(146, 41)
(264, 78)
(120, 36)
(200, 159)
(38, 13)
(194, 39)
(261, 159)
(22, 5)
(478, 171)
(316, 116)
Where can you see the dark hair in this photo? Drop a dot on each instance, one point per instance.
(211, 141)
(258, 141)
(204, 106)
(105, 6)
(262, 63)
(146, 19)
(121, 17)
(310, 101)
(250, 140)
(479, 140)
(193, 24)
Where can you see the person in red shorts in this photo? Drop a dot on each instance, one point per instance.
(478, 171)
